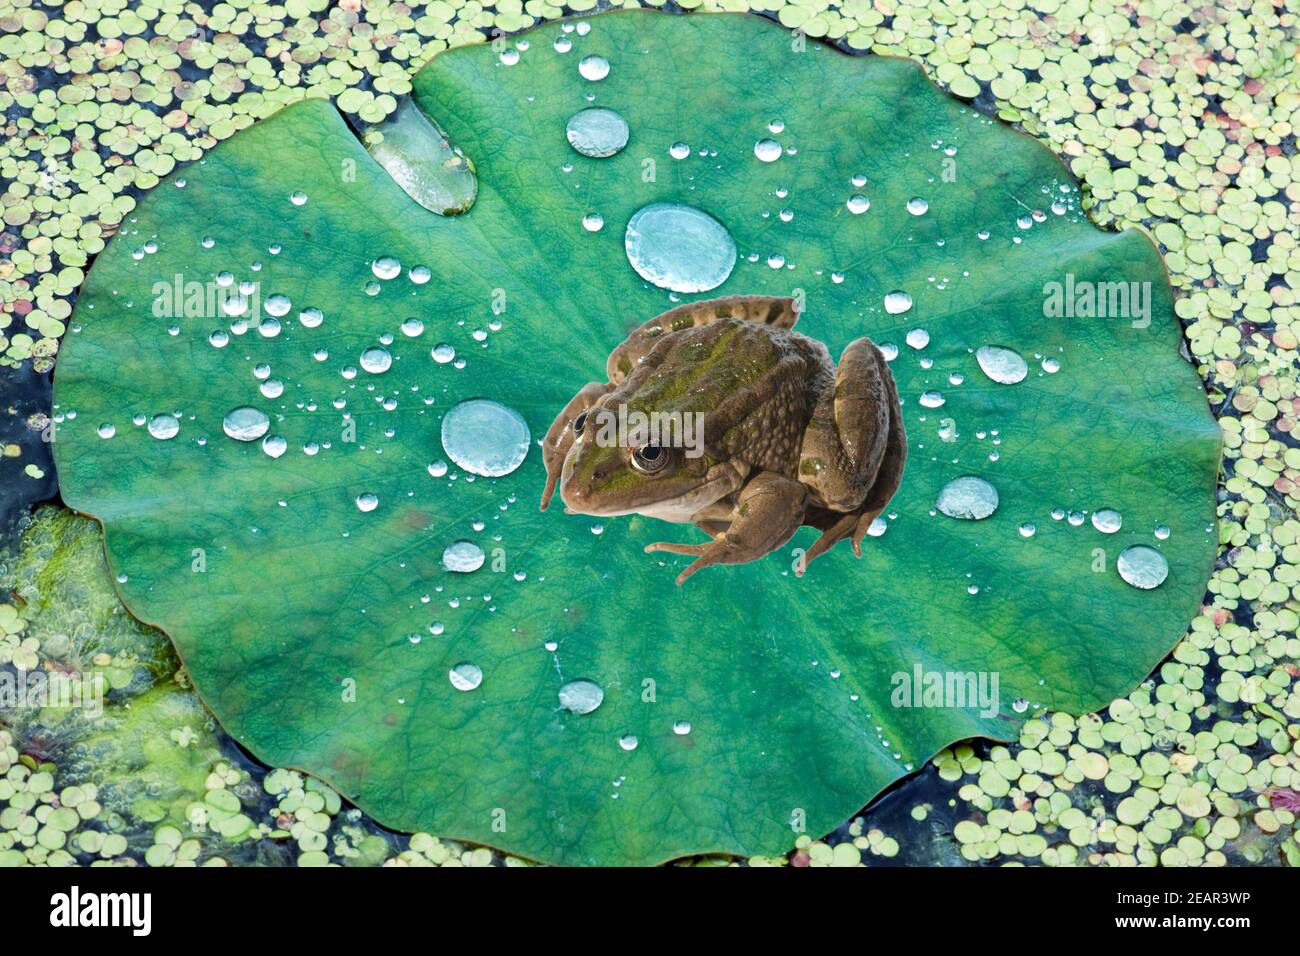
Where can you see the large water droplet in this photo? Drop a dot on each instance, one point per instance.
(1005, 366)
(485, 437)
(628, 741)
(367, 502)
(968, 498)
(463, 557)
(858, 204)
(918, 206)
(932, 398)
(106, 430)
(245, 423)
(386, 267)
(581, 696)
(1142, 566)
(679, 248)
(164, 426)
(597, 132)
(417, 154)
(275, 445)
(465, 676)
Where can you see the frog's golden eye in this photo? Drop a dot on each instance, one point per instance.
(579, 423)
(649, 458)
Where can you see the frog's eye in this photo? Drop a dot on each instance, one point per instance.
(579, 423)
(649, 458)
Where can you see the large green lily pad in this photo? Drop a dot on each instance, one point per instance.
(293, 609)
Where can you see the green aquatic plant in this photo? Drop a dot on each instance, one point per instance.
(272, 480)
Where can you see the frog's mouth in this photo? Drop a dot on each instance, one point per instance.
(720, 481)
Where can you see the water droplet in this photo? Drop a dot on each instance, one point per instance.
(277, 305)
(275, 445)
(918, 338)
(106, 430)
(1027, 529)
(682, 727)
(1004, 366)
(465, 676)
(386, 267)
(420, 275)
(593, 67)
(593, 222)
(1142, 566)
(858, 204)
(245, 423)
(310, 318)
(563, 44)
(1020, 705)
(164, 426)
(367, 502)
(437, 468)
(581, 696)
(1161, 532)
(897, 302)
(443, 353)
(768, 150)
(679, 150)
(509, 56)
(463, 557)
(218, 339)
(485, 437)
(597, 132)
(376, 360)
(271, 388)
(628, 741)
(1107, 520)
(298, 198)
(1051, 366)
(679, 248)
(918, 206)
(412, 327)
(969, 498)
(932, 399)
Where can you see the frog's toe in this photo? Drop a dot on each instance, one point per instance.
(675, 547)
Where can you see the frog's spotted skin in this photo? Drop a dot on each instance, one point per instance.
(788, 438)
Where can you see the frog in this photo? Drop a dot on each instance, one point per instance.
(784, 436)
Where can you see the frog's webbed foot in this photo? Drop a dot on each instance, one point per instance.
(561, 435)
(769, 510)
(853, 526)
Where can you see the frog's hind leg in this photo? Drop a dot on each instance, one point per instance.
(768, 511)
(848, 437)
(778, 312)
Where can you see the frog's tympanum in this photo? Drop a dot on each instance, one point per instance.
(718, 414)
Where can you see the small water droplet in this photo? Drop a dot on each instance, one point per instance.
(581, 696)
(597, 132)
(164, 426)
(376, 360)
(1027, 529)
(968, 498)
(897, 302)
(563, 44)
(932, 399)
(918, 338)
(437, 468)
(593, 222)
(1107, 520)
(274, 445)
(767, 150)
(858, 204)
(1161, 532)
(1003, 365)
(682, 727)
(1142, 566)
(462, 557)
(628, 742)
(465, 676)
(218, 339)
(593, 67)
(412, 327)
(106, 430)
(918, 206)
(443, 353)
(367, 502)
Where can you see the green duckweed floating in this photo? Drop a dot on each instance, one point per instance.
(318, 671)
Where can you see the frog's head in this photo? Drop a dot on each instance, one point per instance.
(605, 478)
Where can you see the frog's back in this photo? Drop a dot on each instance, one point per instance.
(753, 383)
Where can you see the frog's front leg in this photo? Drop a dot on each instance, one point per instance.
(845, 444)
(768, 511)
(562, 434)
